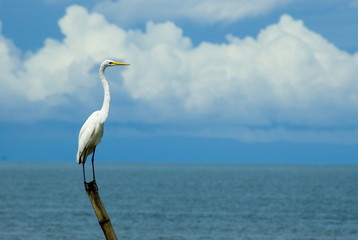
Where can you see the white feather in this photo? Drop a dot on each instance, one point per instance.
(92, 130)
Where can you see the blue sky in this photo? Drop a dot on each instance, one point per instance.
(270, 81)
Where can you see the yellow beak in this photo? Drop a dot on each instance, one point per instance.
(118, 63)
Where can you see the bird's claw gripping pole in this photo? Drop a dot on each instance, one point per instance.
(100, 211)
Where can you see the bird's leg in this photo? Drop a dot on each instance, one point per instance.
(83, 165)
(93, 175)
(84, 172)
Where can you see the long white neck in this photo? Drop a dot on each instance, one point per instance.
(107, 96)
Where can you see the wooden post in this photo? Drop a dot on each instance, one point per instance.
(100, 211)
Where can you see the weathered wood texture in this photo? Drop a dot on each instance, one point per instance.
(100, 211)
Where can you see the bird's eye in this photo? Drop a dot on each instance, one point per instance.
(110, 63)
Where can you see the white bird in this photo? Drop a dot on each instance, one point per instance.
(92, 130)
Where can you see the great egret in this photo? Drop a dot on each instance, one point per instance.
(92, 130)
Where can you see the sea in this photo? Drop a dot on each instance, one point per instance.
(186, 201)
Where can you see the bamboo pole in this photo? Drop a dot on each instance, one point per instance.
(100, 211)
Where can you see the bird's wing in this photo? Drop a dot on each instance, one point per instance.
(90, 134)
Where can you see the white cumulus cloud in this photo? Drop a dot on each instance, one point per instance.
(288, 83)
(127, 12)
(61, 69)
(288, 75)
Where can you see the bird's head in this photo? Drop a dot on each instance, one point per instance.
(107, 63)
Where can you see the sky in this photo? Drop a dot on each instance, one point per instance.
(247, 81)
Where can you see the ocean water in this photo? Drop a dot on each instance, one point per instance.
(181, 201)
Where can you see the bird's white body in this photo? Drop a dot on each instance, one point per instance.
(90, 136)
(92, 130)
